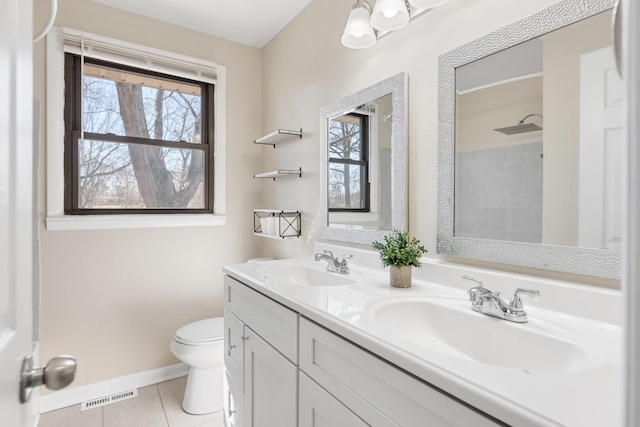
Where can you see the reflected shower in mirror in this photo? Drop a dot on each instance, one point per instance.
(538, 141)
(529, 149)
(363, 163)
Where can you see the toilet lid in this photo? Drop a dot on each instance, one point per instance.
(202, 331)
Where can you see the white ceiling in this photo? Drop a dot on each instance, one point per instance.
(250, 22)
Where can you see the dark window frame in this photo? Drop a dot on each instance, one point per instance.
(364, 179)
(73, 122)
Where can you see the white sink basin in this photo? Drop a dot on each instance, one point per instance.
(449, 326)
(302, 273)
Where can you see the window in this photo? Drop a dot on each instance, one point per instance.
(349, 163)
(136, 141)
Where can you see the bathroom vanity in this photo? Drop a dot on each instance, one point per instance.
(286, 369)
(307, 347)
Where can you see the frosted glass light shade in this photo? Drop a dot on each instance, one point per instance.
(358, 33)
(389, 15)
(427, 4)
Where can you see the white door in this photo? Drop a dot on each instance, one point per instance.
(601, 148)
(16, 247)
(631, 279)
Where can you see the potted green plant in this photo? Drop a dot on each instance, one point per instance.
(400, 251)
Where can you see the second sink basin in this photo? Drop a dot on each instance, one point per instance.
(301, 273)
(448, 325)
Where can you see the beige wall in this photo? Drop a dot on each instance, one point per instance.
(305, 67)
(114, 298)
(561, 63)
(479, 113)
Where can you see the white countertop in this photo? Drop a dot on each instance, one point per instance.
(587, 397)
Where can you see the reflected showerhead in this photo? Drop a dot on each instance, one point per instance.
(521, 127)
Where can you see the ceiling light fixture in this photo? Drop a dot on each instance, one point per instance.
(389, 15)
(385, 16)
(358, 33)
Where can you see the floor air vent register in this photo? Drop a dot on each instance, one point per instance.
(107, 400)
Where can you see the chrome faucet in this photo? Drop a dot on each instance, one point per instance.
(491, 303)
(333, 264)
(477, 291)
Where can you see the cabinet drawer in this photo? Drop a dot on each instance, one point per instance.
(234, 347)
(275, 323)
(317, 408)
(381, 394)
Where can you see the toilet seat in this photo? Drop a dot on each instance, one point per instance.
(202, 332)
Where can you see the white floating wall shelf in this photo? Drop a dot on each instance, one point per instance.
(279, 173)
(279, 136)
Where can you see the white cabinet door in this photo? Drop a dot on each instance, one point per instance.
(317, 408)
(233, 402)
(271, 385)
(234, 347)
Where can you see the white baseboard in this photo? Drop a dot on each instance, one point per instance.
(74, 396)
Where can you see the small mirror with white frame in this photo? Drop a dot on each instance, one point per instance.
(363, 161)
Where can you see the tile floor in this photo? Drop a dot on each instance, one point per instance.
(157, 405)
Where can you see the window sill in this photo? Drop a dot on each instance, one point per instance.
(109, 222)
(353, 217)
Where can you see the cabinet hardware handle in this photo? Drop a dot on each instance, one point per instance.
(244, 338)
(231, 347)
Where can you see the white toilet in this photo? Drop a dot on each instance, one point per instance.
(200, 345)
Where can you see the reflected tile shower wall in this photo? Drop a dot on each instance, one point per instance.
(498, 193)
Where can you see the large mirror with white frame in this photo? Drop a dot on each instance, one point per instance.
(363, 163)
(530, 144)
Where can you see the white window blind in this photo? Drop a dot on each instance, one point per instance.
(124, 53)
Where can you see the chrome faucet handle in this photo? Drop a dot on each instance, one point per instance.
(329, 253)
(477, 291)
(479, 282)
(515, 306)
(342, 264)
